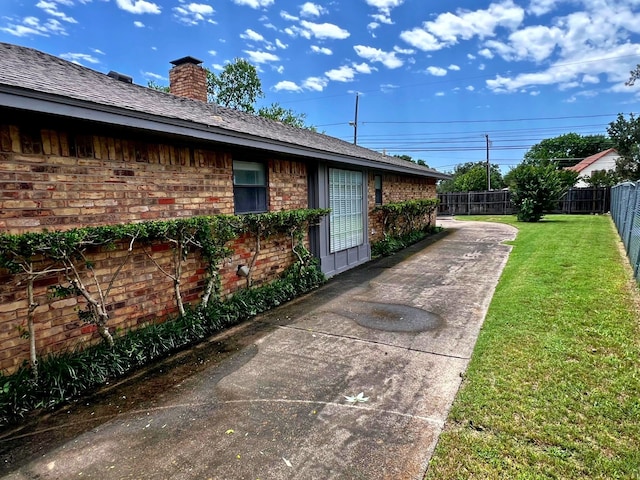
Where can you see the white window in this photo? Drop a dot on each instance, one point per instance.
(345, 200)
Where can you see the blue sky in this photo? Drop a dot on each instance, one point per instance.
(433, 78)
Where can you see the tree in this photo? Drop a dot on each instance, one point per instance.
(408, 158)
(535, 189)
(285, 115)
(601, 178)
(626, 139)
(633, 76)
(570, 146)
(154, 86)
(237, 86)
(472, 177)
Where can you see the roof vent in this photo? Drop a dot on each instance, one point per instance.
(120, 76)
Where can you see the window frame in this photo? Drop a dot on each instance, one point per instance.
(258, 190)
(347, 217)
(377, 191)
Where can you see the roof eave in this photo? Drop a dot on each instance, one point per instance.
(72, 108)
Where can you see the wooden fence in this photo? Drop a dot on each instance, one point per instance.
(498, 202)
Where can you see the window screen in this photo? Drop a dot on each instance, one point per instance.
(345, 200)
(249, 187)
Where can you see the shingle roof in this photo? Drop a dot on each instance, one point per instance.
(578, 167)
(26, 72)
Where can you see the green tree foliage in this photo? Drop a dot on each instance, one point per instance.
(155, 86)
(570, 146)
(472, 177)
(408, 158)
(625, 134)
(601, 178)
(238, 86)
(633, 76)
(535, 189)
(277, 112)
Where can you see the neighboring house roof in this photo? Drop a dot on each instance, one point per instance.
(587, 162)
(36, 81)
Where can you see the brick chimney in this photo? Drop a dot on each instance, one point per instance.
(188, 79)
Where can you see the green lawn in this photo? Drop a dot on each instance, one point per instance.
(553, 388)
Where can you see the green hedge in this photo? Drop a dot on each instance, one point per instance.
(68, 375)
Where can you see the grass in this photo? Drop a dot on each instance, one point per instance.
(553, 387)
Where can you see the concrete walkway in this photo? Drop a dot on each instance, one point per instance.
(400, 331)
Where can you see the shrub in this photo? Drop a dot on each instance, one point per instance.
(535, 188)
(68, 375)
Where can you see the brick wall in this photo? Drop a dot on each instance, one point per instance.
(60, 179)
(396, 188)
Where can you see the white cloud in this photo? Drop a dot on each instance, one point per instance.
(280, 69)
(254, 3)
(482, 66)
(322, 50)
(324, 30)
(294, 31)
(540, 7)
(471, 57)
(388, 59)
(448, 28)
(287, 86)
(194, 13)
(437, 71)
(594, 45)
(590, 79)
(534, 93)
(363, 68)
(312, 10)
(404, 51)
(439, 94)
(422, 40)
(315, 83)
(154, 76)
(288, 17)
(32, 26)
(261, 57)
(342, 74)
(388, 87)
(381, 18)
(470, 88)
(532, 43)
(252, 36)
(486, 53)
(217, 66)
(280, 44)
(138, 24)
(384, 6)
(212, 52)
(372, 26)
(51, 8)
(138, 6)
(454, 67)
(79, 58)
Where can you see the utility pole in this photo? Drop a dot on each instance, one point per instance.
(488, 164)
(354, 124)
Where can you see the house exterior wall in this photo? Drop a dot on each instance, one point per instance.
(77, 176)
(396, 188)
(608, 162)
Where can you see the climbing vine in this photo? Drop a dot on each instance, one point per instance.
(68, 255)
(402, 218)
